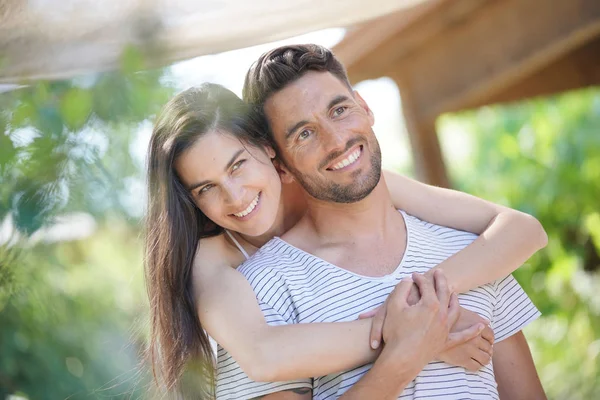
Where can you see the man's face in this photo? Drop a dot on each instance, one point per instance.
(324, 133)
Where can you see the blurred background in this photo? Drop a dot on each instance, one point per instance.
(498, 99)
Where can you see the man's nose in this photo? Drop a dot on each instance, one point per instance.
(333, 139)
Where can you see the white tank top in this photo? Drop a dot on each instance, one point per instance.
(238, 245)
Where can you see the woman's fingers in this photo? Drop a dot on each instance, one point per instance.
(481, 357)
(488, 334)
(369, 314)
(484, 345)
(456, 338)
(377, 326)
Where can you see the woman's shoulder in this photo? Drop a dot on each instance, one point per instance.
(215, 253)
(214, 262)
(211, 251)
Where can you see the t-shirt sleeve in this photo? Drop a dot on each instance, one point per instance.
(513, 309)
(234, 384)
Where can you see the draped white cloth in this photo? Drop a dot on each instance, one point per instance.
(48, 39)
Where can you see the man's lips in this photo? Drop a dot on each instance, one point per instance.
(348, 158)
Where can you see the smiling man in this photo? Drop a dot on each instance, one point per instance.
(352, 247)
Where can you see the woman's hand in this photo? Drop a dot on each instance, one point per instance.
(474, 353)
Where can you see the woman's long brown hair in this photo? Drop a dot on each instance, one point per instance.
(174, 226)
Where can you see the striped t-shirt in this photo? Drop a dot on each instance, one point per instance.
(293, 287)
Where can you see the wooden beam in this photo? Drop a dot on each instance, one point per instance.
(496, 47)
(426, 151)
(360, 42)
(368, 50)
(577, 69)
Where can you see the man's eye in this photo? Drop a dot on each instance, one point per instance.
(304, 134)
(237, 165)
(339, 111)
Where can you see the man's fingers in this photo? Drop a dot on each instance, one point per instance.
(377, 326)
(441, 288)
(453, 310)
(456, 338)
(369, 314)
(426, 287)
(401, 292)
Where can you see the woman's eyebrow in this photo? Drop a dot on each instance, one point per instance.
(229, 164)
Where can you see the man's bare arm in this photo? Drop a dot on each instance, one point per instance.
(515, 371)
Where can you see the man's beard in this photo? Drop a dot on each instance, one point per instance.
(321, 189)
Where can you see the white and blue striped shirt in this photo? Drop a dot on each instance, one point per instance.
(293, 287)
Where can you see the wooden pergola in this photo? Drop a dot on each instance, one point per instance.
(450, 55)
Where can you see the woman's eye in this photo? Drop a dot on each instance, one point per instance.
(304, 134)
(205, 189)
(339, 111)
(237, 165)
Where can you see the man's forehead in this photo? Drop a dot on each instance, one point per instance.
(313, 89)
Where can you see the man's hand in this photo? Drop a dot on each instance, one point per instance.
(413, 336)
(421, 329)
(473, 353)
(467, 328)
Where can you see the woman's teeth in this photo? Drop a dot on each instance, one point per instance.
(351, 158)
(249, 209)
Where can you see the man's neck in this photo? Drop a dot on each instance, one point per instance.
(339, 222)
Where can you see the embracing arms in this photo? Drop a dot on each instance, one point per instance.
(229, 312)
(507, 237)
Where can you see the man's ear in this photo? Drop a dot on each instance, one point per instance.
(284, 173)
(365, 107)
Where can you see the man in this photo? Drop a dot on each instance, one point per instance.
(352, 247)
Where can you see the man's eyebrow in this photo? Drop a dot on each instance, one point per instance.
(337, 100)
(294, 128)
(229, 164)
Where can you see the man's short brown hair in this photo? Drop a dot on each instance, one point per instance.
(279, 67)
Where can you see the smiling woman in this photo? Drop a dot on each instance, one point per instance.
(209, 169)
(234, 183)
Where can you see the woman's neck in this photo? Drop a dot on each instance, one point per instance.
(292, 206)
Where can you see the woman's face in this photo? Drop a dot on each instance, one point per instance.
(233, 183)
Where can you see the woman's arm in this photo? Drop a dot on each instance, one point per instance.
(229, 312)
(507, 237)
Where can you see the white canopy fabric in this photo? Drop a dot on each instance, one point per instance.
(55, 39)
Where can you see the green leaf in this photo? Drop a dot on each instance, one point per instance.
(76, 107)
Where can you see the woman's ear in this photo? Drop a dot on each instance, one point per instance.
(284, 173)
(270, 152)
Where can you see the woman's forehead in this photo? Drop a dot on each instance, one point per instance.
(208, 154)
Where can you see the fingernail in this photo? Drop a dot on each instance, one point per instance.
(480, 327)
(375, 344)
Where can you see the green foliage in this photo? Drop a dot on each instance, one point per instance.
(543, 157)
(72, 330)
(67, 308)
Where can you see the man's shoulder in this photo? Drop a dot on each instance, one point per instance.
(440, 231)
(268, 262)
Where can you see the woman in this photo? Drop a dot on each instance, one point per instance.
(216, 196)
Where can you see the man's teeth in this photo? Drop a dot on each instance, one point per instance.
(347, 161)
(249, 209)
